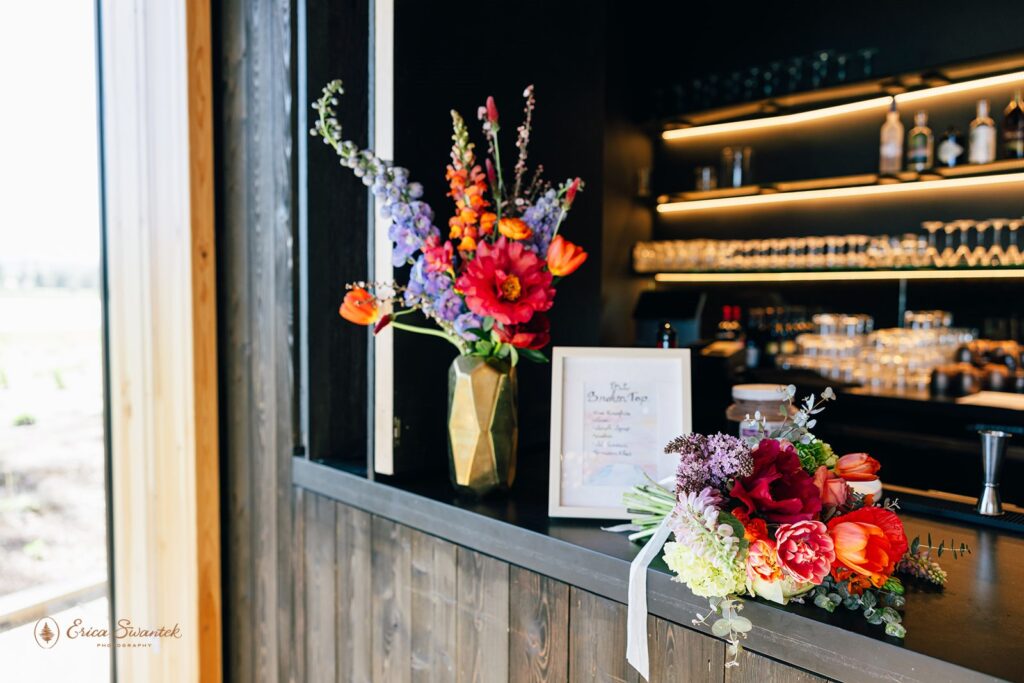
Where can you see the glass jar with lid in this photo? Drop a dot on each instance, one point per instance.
(750, 399)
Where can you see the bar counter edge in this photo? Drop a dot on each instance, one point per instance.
(823, 649)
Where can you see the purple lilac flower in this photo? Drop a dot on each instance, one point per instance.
(542, 217)
(425, 288)
(465, 322)
(709, 461)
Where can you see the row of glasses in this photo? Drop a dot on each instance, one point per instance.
(968, 243)
(962, 243)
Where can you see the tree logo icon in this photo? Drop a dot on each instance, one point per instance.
(47, 633)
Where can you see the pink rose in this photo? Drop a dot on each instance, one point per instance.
(833, 490)
(806, 551)
(779, 489)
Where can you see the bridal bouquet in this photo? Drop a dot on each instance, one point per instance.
(488, 283)
(781, 517)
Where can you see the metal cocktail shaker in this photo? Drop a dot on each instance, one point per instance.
(993, 448)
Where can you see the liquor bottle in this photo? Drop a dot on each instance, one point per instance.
(773, 342)
(666, 336)
(1013, 128)
(755, 336)
(890, 151)
(983, 136)
(951, 150)
(921, 144)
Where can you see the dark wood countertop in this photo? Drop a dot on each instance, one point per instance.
(967, 632)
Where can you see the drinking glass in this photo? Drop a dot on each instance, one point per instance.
(996, 255)
(932, 257)
(947, 257)
(980, 254)
(1013, 254)
(962, 255)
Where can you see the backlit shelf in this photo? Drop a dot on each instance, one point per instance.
(839, 275)
(867, 96)
(1002, 172)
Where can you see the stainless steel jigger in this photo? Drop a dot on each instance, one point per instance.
(993, 448)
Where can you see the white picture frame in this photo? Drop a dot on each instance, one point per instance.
(613, 410)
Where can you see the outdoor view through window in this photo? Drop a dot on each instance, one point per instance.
(53, 531)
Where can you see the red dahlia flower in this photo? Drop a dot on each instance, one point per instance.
(535, 334)
(507, 282)
(779, 489)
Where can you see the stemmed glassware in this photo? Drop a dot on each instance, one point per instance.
(1013, 255)
(980, 254)
(962, 255)
(932, 257)
(996, 255)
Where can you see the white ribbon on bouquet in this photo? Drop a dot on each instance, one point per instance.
(636, 594)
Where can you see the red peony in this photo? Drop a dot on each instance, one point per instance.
(779, 489)
(535, 334)
(806, 551)
(507, 282)
(869, 541)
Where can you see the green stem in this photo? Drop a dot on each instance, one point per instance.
(426, 331)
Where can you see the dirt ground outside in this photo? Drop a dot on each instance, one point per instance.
(52, 501)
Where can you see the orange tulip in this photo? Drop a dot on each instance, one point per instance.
(360, 307)
(858, 467)
(564, 257)
(869, 541)
(514, 229)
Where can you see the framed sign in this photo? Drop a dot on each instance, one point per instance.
(612, 412)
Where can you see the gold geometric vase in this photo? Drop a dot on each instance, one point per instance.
(483, 425)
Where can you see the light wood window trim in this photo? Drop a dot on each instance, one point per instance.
(157, 103)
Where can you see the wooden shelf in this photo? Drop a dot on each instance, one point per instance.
(840, 275)
(997, 173)
(845, 98)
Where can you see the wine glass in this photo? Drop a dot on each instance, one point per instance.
(932, 257)
(1013, 255)
(946, 257)
(980, 255)
(962, 256)
(996, 255)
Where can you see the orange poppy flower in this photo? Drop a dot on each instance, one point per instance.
(564, 257)
(514, 229)
(360, 307)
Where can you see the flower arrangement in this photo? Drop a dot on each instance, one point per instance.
(488, 285)
(780, 517)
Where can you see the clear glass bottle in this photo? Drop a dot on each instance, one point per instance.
(890, 152)
(982, 136)
(1013, 127)
(921, 144)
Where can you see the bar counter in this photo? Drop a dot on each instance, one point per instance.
(970, 631)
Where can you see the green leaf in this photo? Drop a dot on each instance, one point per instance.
(514, 353)
(479, 333)
(915, 544)
(721, 628)
(488, 324)
(533, 355)
(502, 350)
(741, 624)
(929, 540)
(942, 547)
(484, 348)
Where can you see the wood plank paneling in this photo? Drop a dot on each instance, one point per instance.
(354, 607)
(321, 587)
(538, 646)
(392, 609)
(254, 261)
(678, 653)
(755, 668)
(597, 639)
(433, 609)
(483, 618)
